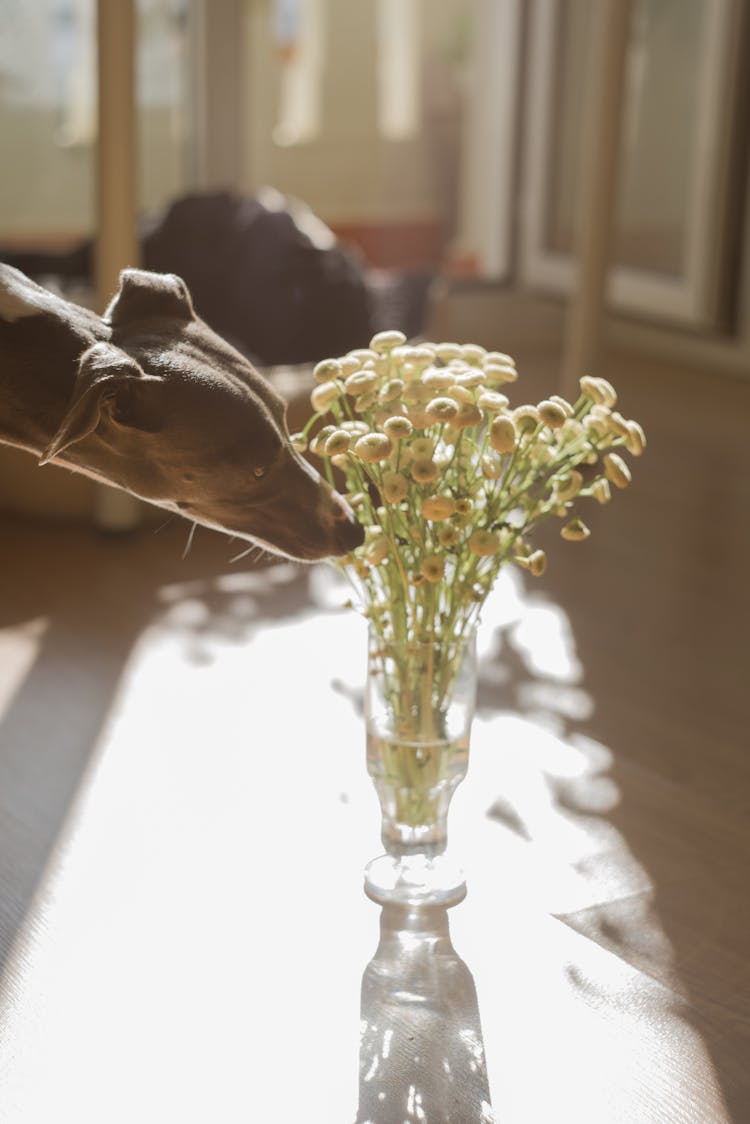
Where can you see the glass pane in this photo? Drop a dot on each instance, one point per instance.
(48, 115)
(659, 131)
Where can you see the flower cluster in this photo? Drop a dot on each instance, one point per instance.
(449, 479)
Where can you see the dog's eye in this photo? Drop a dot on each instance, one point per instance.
(259, 472)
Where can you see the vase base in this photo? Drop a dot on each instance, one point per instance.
(415, 879)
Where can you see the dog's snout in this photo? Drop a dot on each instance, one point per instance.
(348, 533)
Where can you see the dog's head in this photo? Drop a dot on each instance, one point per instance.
(169, 411)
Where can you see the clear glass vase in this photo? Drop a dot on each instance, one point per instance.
(419, 706)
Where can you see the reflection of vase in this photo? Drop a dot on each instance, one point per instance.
(421, 1047)
(419, 706)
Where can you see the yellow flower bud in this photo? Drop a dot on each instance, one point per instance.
(448, 351)
(564, 405)
(503, 434)
(362, 355)
(387, 340)
(526, 418)
(424, 470)
(338, 442)
(635, 441)
(437, 378)
(618, 424)
(498, 373)
(441, 410)
(499, 357)
(492, 402)
(600, 490)
(391, 390)
(484, 543)
(377, 550)
(608, 391)
(616, 470)
(591, 389)
(551, 414)
(438, 508)
(298, 441)
(433, 568)
(323, 395)
(422, 446)
(537, 563)
(395, 487)
(397, 427)
(373, 447)
(327, 370)
(417, 357)
(360, 382)
(569, 485)
(448, 535)
(464, 505)
(459, 394)
(575, 531)
(470, 378)
(318, 442)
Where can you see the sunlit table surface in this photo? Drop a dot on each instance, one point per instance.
(200, 948)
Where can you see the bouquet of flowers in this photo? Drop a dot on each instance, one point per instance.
(449, 480)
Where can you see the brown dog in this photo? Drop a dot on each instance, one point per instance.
(149, 399)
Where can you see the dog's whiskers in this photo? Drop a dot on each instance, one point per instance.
(254, 550)
(189, 543)
(166, 523)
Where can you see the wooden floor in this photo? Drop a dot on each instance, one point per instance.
(631, 655)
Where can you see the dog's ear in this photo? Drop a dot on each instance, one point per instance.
(149, 296)
(110, 380)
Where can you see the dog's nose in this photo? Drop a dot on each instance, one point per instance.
(347, 532)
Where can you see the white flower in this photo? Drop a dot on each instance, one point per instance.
(441, 410)
(635, 441)
(552, 414)
(397, 427)
(503, 435)
(337, 443)
(327, 370)
(323, 395)
(360, 382)
(616, 471)
(575, 531)
(386, 341)
(373, 447)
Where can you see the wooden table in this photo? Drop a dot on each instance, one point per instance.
(184, 820)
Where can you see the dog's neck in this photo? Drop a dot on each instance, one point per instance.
(38, 374)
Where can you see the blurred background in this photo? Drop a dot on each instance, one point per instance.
(452, 148)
